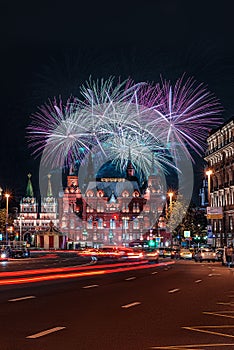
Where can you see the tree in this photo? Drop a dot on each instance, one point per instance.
(3, 220)
(193, 219)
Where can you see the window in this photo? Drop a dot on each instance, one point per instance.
(90, 223)
(112, 224)
(135, 224)
(100, 223)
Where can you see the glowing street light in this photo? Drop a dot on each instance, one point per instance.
(209, 173)
(170, 194)
(7, 199)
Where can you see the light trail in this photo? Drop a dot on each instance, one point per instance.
(44, 278)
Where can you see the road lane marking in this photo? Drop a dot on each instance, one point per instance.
(48, 331)
(130, 305)
(222, 303)
(91, 286)
(190, 346)
(130, 278)
(214, 274)
(154, 273)
(196, 329)
(198, 281)
(173, 290)
(23, 298)
(218, 314)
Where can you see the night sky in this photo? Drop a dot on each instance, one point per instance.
(50, 49)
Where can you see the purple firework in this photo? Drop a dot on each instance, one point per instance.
(60, 132)
(187, 112)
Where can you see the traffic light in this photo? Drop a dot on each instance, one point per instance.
(152, 243)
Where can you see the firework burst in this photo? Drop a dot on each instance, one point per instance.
(60, 131)
(187, 112)
(145, 117)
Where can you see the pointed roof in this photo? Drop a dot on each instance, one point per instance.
(90, 168)
(129, 164)
(29, 189)
(72, 169)
(49, 188)
(112, 198)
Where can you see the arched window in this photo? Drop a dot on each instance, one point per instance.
(125, 194)
(90, 193)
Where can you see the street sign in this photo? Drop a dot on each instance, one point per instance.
(214, 212)
(209, 231)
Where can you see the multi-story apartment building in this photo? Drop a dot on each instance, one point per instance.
(220, 161)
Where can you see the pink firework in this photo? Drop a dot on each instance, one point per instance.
(187, 112)
(60, 132)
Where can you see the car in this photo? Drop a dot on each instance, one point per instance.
(220, 254)
(4, 255)
(175, 253)
(186, 254)
(167, 253)
(205, 254)
(152, 255)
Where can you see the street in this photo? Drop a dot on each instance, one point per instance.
(176, 306)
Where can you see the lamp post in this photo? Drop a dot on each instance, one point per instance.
(7, 199)
(170, 194)
(209, 173)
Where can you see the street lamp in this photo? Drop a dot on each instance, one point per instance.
(209, 173)
(7, 199)
(170, 194)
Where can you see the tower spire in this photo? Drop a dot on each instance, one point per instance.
(72, 169)
(49, 188)
(90, 169)
(29, 189)
(130, 169)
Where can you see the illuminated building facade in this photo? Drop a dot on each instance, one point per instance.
(220, 160)
(38, 227)
(111, 210)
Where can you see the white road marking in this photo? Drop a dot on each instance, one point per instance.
(197, 346)
(222, 303)
(23, 298)
(130, 305)
(173, 290)
(214, 274)
(91, 286)
(48, 331)
(130, 278)
(198, 281)
(154, 273)
(196, 329)
(219, 314)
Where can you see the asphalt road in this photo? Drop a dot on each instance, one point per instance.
(185, 305)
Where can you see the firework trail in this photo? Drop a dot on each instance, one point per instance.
(60, 132)
(140, 116)
(186, 114)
